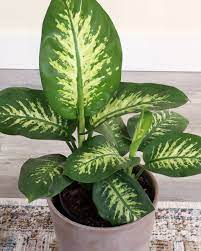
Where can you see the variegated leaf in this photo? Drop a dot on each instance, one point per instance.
(116, 133)
(43, 177)
(80, 57)
(120, 199)
(97, 159)
(163, 122)
(26, 112)
(174, 154)
(133, 97)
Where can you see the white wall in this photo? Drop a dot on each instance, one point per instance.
(128, 15)
(156, 15)
(152, 32)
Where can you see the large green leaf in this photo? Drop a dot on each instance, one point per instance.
(174, 154)
(133, 97)
(116, 133)
(120, 199)
(80, 56)
(43, 177)
(163, 122)
(95, 160)
(26, 112)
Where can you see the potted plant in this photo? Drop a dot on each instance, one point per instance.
(102, 196)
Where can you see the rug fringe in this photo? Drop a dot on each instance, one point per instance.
(22, 202)
(179, 204)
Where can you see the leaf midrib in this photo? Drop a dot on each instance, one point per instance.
(107, 128)
(172, 157)
(80, 92)
(101, 156)
(115, 113)
(120, 197)
(154, 128)
(151, 134)
(34, 118)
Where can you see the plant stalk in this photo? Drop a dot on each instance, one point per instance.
(81, 126)
(136, 141)
(90, 134)
(80, 105)
(135, 144)
(140, 172)
(74, 144)
(70, 146)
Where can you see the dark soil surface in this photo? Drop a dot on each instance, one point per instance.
(75, 202)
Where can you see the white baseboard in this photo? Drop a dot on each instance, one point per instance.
(142, 51)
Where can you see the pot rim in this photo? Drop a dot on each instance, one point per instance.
(107, 229)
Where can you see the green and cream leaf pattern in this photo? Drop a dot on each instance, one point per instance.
(163, 122)
(43, 177)
(133, 97)
(80, 56)
(26, 112)
(115, 131)
(174, 154)
(120, 199)
(97, 159)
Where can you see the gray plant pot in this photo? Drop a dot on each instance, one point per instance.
(72, 236)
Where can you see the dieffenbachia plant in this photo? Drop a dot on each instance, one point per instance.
(80, 66)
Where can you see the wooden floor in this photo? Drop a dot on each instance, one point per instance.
(15, 150)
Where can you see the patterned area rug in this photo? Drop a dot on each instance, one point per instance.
(26, 227)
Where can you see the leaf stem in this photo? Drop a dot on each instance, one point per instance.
(130, 170)
(81, 126)
(70, 146)
(74, 145)
(90, 134)
(136, 140)
(80, 105)
(140, 172)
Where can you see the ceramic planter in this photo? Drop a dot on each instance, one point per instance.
(72, 236)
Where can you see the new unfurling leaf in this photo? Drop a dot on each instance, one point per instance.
(163, 122)
(142, 127)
